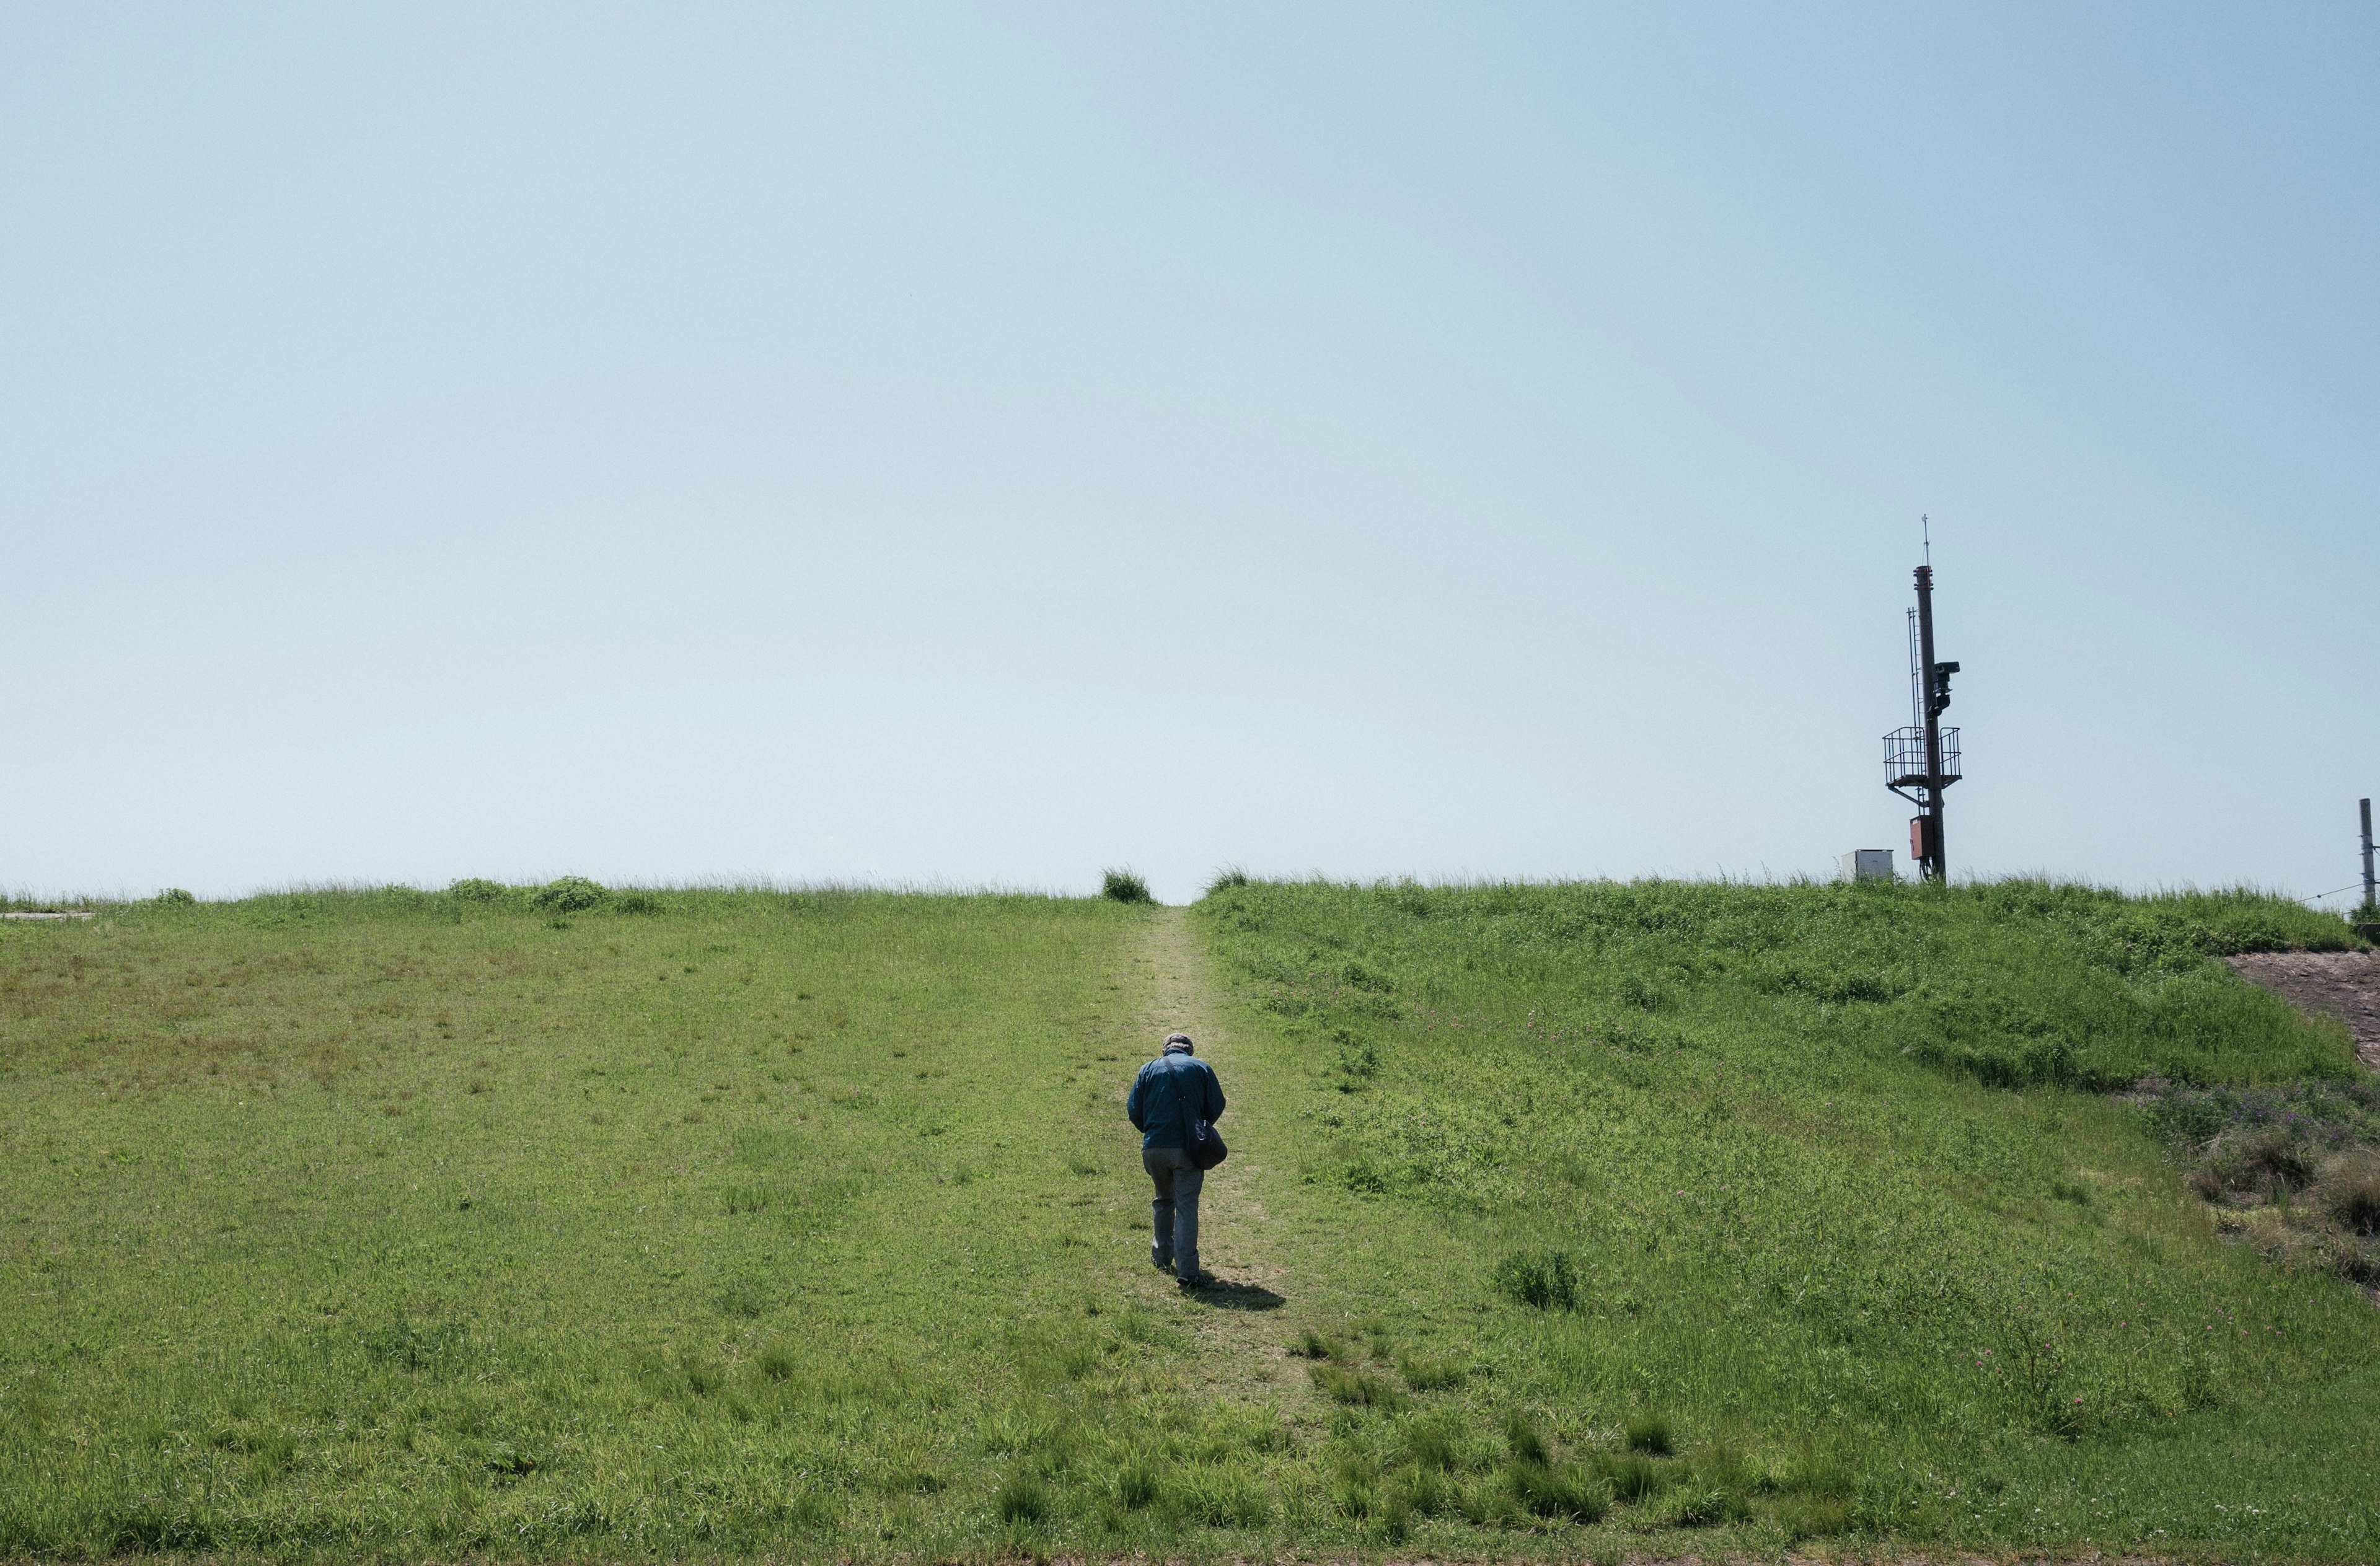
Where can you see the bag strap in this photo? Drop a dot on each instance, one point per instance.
(1181, 1100)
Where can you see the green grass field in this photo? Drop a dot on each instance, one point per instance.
(1576, 1220)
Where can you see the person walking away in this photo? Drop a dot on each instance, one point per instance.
(1176, 1080)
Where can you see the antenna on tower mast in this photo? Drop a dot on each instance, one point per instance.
(1922, 761)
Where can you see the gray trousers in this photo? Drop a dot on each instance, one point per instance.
(1173, 1217)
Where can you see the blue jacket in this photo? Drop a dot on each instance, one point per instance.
(1155, 1109)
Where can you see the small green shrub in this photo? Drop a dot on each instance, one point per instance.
(33, 1402)
(1428, 1375)
(1358, 1059)
(1631, 1475)
(1822, 1471)
(1136, 1485)
(1221, 1497)
(1427, 1491)
(1353, 1387)
(1636, 992)
(472, 889)
(1649, 1433)
(1489, 1503)
(273, 1451)
(1227, 877)
(571, 894)
(1699, 1508)
(2274, 1160)
(1122, 886)
(812, 1509)
(636, 903)
(174, 897)
(413, 1345)
(2349, 1191)
(1560, 1493)
(1527, 1443)
(1722, 1466)
(1431, 1448)
(1813, 1517)
(775, 1362)
(1542, 1280)
(1022, 1499)
(1353, 1497)
(746, 1199)
(1017, 1431)
(907, 1470)
(1421, 1491)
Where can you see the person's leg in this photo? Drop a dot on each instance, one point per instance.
(1187, 1182)
(1159, 1162)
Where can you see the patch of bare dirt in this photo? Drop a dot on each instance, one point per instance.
(2345, 985)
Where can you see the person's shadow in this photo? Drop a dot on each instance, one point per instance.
(1226, 1293)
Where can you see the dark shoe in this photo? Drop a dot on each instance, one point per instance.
(1190, 1286)
(1163, 1264)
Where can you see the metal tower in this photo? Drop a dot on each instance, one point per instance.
(1922, 761)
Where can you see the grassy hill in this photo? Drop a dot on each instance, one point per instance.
(432, 1223)
(1814, 1178)
(1576, 1220)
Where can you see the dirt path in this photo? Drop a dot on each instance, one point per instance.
(2345, 985)
(1230, 1218)
(1243, 1315)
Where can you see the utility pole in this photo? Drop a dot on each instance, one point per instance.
(1922, 761)
(2367, 856)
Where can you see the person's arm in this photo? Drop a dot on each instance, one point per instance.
(1134, 1101)
(1215, 1092)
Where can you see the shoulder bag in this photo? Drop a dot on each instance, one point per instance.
(1199, 1138)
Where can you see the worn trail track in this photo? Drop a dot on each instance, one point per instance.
(1242, 1320)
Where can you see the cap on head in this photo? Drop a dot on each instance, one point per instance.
(1178, 1044)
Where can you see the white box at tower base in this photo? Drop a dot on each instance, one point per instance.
(1868, 864)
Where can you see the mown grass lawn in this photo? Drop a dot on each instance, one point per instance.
(1566, 1221)
(414, 1225)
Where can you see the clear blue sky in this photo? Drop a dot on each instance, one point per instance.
(983, 445)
